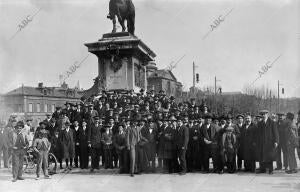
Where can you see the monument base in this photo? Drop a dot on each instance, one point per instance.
(122, 61)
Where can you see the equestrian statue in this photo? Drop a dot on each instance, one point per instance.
(124, 10)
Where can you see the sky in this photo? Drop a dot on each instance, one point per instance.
(249, 35)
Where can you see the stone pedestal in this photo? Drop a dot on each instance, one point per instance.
(122, 61)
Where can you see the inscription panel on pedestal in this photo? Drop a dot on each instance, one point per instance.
(116, 79)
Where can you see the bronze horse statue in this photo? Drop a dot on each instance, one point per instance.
(124, 10)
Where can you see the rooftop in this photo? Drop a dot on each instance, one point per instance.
(45, 91)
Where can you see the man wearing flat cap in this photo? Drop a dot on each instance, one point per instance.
(268, 140)
(19, 146)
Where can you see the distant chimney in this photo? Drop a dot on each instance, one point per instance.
(40, 85)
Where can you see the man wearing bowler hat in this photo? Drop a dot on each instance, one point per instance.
(267, 142)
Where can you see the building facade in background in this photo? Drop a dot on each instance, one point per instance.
(36, 102)
(163, 80)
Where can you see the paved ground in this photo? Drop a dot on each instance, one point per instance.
(110, 181)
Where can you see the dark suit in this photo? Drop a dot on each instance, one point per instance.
(247, 146)
(77, 115)
(119, 142)
(194, 150)
(84, 149)
(150, 146)
(77, 146)
(94, 138)
(210, 150)
(181, 140)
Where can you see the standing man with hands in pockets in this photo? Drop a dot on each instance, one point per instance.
(182, 139)
(19, 145)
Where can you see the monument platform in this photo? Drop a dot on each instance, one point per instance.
(122, 61)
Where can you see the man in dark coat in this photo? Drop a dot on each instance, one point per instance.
(77, 114)
(68, 145)
(281, 126)
(267, 142)
(247, 144)
(181, 140)
(48, 119)
(57, 113)
(83, 146)
(68, 110)
(150, 133)
(166, 147)
(119, 142)
(51, 128)
(194, 161)
(209, 137)
(94, 141)
(90, 115)
(56, 147)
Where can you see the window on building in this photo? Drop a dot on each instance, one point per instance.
(30, 107)
(52, 108)
(38, 107)
(45, 108)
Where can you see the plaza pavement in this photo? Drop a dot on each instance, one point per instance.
(111, 181)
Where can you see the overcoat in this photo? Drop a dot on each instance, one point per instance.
(68, 145)
(267, 136)
(166, 143)
(150, 147)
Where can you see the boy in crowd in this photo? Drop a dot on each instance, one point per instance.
(42, 146)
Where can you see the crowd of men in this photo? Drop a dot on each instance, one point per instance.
(148, 132)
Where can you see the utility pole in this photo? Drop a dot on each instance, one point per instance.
(278, 108)
(194, 76)
(215, 97)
